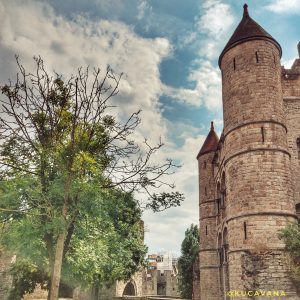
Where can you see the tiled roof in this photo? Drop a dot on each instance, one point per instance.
(247, 30)
(211, 142)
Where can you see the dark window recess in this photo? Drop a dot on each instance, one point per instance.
(274, 58)
(221, 255)
(206, 232)
(263, 134)
(218, 206)
(205, 191)
(234, 65)
(256, 55)
(204, 165)
(245, 230)
(298, 147)
(225, 247)
(223, 199)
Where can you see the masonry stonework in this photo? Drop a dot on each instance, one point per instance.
(249, 179)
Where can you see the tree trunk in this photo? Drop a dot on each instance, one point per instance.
(55, 280)
(60, 245)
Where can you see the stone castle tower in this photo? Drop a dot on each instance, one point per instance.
(249, 179)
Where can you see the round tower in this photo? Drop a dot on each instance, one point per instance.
(259, 197)
(208, 255)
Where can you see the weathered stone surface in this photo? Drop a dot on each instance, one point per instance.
(250, 185)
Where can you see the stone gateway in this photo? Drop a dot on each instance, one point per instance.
(249, 178)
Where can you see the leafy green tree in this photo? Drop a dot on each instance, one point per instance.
(291, 237)
(106, 245)
(57, 139)
(189, 255)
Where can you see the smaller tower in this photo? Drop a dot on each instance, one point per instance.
(208, 258)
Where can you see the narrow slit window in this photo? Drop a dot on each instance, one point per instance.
(298, 147)
(263, 134)
(234, 65)
(206, 232)
(256, 55)
(245, 230)
(205, 190)
(204, 165)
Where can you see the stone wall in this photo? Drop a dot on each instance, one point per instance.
(256, 173)
(5, 279)
(291, 98)
(208, 257)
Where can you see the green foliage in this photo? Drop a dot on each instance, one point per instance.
(291, 237)
(106, 244)
(68, 173)
(189, 255)
(164, 201)
(26, 275)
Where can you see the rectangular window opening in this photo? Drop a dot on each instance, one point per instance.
(234, 66)
(263, 134)
(206, 232)
(256, 55)
(298, 147)
(245, 230)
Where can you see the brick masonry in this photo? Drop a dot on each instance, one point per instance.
(250, 186)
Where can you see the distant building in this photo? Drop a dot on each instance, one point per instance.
(162, 275)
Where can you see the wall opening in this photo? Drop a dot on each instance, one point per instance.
(256, 56)
(263, 134)
(245, 230)
(129, 290)
(298, 147)
(223, 191)
(298, 212)
(218, 199)
(234, 65)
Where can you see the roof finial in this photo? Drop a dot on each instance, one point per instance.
(246, 13)
(298, 49)
(212, 125)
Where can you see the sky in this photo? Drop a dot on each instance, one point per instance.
(168, 51)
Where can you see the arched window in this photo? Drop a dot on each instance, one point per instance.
(223, 191)
(225, 244)
(220, 249)
(129, 289)
(218, 199)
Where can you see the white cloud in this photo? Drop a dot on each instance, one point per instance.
(31, 28)
(207, 89)
(285, 6)
(143, 8)
(166, 229)
(213, 25)
(216, 19)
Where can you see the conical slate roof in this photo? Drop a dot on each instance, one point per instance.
(247, 30)
(211, 142)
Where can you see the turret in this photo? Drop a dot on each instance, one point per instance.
(259, 197)
(208, 256)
